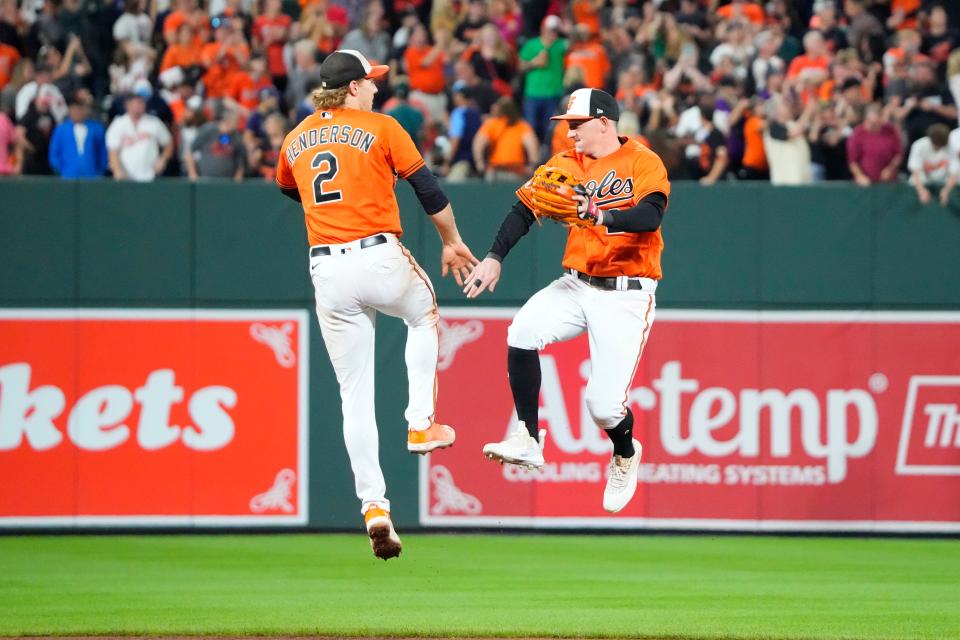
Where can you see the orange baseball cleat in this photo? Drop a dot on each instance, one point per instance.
(436, 436)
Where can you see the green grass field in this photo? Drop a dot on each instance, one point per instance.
(473, 585)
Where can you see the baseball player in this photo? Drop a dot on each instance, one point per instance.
(611, 270)
(342, 164)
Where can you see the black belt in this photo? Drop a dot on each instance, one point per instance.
(610, 284)
(372, 241)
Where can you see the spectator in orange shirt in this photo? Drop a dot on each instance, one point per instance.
(183, 52)
(586, 13)
(424, 64)
(8, 60)
(588, 54)
(742, 9)
(903, 14)
(813, 64)
(505, 147)
(245, 85)
(223, 58)
(187, 12)
(270, 31)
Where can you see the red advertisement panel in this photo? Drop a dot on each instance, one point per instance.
(153, 417)
(748, 421)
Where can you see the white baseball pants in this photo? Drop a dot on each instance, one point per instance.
(617, 324)
(351, 285)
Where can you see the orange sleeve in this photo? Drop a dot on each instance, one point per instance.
(649, 176)
(485, 128)
(401, 151)
(285, 177)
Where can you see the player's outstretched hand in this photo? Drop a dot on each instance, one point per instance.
(456, 257)
(484, 276)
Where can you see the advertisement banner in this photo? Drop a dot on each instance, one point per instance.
(153, 417)
(759, 421)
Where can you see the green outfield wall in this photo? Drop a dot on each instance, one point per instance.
(224, 245)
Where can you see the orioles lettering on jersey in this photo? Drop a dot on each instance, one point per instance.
(621, 180)
(609, 188)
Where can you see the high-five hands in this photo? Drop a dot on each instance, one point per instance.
(457, 257)
(484, 276)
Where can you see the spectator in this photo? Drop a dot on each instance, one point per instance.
(785, 143)
(139, 144)
(735, 48)
(246, 85)
(903, 14)
(223, 59)
(824, 20)
(9, 56)
(742, 10)
(542, 60)
(465, 121)
(8, 145)
(932, 166)
(270, 30)
(874, 149)
(590, 56)
(271, 145)
(406, 114)
(218, 150)
(183, 52)
(424, 65)
(953, 75)
(753, 164)
(814, 63)
(269, 105)
(505, 147)
(491, 59)
(305, 75)
(862, 25)
(468, 30)
(77, 149)
(940, 38)
(928, 102)
(34, 131)
(187, 12)
(714, 159)
(23, 73)
(133, 29)
(766, 61)
(323, 24)
(369, 39)
(476, 88)
(506, 16)
(828, 135)
(41, 87)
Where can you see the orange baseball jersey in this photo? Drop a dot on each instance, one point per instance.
(345, 163)
(620, 180)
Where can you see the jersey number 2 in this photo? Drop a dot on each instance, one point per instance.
(319, 196)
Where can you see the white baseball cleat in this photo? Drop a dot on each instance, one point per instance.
(622, 481)
(519, 448)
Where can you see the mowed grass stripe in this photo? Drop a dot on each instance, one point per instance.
(482, 585)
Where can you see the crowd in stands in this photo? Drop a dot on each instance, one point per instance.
(786, 91)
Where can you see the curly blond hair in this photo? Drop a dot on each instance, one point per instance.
(329, 98)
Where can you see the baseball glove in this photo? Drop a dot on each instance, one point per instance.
(551, 189)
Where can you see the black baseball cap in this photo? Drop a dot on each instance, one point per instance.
(343, 66)
(586, 104)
